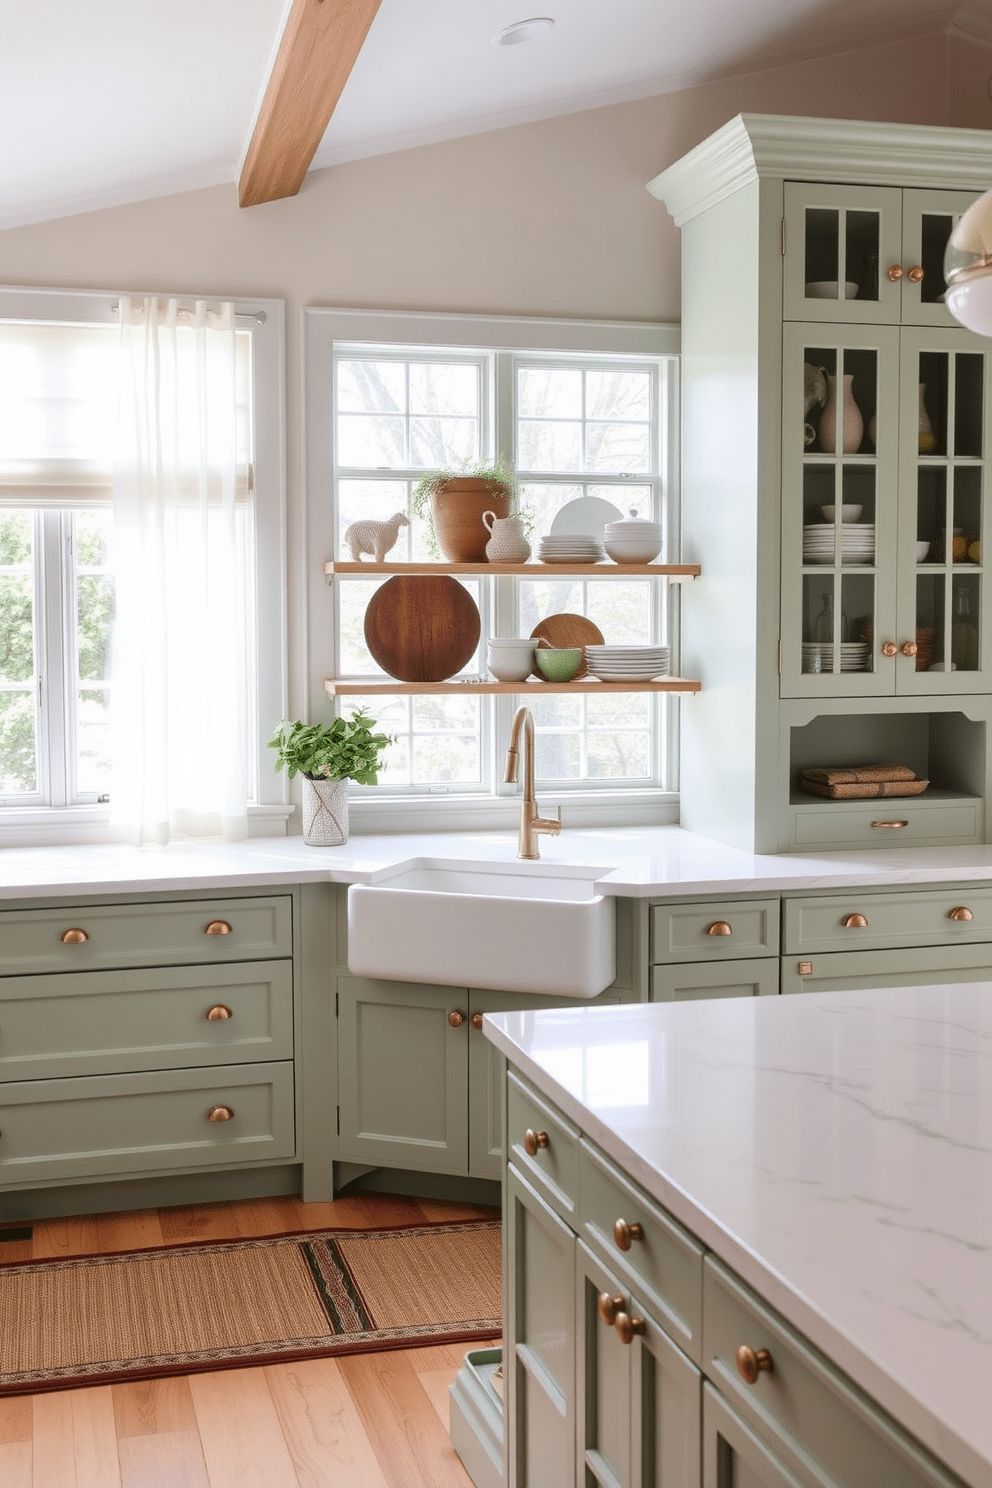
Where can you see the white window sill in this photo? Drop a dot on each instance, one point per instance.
(465, 813)
(49, 826)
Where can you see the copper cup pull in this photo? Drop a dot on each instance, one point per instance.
(894, 272)
(219, 1113)
(890, 648)
(534, 1141)
(218, 927)
(219, 1014)
(477, 1022)
(915, 274)
(624, 1234)
(455, 1018)
(719, 927)
(960, 913)
(854, 922)
(75, 936)
(909, 648)
(609, 1308)
(893, 826)
(752, 1362)
(629, 1327)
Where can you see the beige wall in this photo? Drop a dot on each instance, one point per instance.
(549, 218)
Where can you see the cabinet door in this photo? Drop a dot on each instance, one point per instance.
(733, 1457)
(945, 393)
(539, 1382)
(849, 971)
(839, 510)
(839, 242)
(927, 220)
(603, 1408)
(757, 978)
(487, 1080)
(403, 1075)
(666, 1407)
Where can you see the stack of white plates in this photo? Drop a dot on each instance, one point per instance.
(574, 547)
(627, 663)
(819, 656)
(857, 542)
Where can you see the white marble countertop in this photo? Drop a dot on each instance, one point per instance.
(635, 862)
(834, 1149)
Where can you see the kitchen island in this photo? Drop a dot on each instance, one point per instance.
(812, 1181)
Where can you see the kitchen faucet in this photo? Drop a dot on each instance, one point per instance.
(530, 823)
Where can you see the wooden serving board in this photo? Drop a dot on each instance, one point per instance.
(422, 628)
(569, 630)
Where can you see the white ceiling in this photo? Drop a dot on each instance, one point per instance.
(109, 101)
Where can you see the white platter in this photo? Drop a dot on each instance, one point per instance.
(587, 514)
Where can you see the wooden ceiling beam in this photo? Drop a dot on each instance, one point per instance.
(319, 46)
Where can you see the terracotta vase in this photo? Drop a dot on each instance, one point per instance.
(852, 426)
(456, 514)
(325, 812)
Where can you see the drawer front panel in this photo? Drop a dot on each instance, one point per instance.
(927, 824)
(664, 1265)
(802, 1406)
(850, 971)
(694, 932)
(113, 1022)
(554, 1167)
(120, 935)
(110, 1125)
(693, 980)
(901, 919)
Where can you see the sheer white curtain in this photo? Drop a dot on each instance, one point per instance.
(179, 679)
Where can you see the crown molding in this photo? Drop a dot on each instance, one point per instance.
(782, 147)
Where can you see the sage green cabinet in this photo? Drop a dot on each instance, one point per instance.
(679, 983)
(849, 971)
(733, 1457)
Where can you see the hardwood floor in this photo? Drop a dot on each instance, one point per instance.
(361, 1421)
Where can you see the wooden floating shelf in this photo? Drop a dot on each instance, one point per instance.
(675, 571)
(389, 687)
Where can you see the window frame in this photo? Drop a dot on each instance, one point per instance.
(502, 337)
(269, 808)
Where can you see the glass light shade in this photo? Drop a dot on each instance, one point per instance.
(970, 301)
(968, 268)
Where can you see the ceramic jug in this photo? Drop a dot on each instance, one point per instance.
(507, 543)
(853, 425)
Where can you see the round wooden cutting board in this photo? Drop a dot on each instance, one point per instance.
(568, 630)
(422, 628)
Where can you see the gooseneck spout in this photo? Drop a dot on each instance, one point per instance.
(531, 824)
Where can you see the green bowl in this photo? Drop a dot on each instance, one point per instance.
(558, 663)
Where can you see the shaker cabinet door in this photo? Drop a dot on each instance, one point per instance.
(839, 243)
(928, 218)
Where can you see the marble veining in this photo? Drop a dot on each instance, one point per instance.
(834, 1149)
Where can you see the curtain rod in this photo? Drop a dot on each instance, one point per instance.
(259, 316)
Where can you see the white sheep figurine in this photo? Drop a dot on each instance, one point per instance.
(374, 537)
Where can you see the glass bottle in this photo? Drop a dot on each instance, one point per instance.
(964, 633)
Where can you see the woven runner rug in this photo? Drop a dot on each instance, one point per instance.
(180, 1309)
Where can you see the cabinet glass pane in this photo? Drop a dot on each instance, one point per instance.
(965, 610)
(842, 253)
(935, 229)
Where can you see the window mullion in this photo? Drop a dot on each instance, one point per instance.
(51, 622)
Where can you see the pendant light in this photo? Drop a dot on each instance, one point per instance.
(968, 268)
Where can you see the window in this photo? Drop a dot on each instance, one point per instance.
(580, 412)
(58, 419)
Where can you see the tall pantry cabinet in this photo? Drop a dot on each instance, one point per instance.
(843, 615)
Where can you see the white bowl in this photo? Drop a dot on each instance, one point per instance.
(848, 513)
(511, 659)
(632, 549)
(922, 549)
(826, 289)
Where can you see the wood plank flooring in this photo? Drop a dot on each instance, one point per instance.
(361, 1421)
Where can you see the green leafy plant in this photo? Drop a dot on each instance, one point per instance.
(346, 749)
(499, 472)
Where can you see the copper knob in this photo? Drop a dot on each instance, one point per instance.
(915, 274)
(627, 1327)
(960, 913)
(219, 1113)
(218, 927)
(534, 1141)
(219, 1013)
(455, 1018)
(624, 1234)
(608, 1308)
(854, 922)
(909, 648)
(890, 648)
(73, 937)
(894, 825)
(750, 1363)
(477, 1022)
(719, 927)
(894, 272)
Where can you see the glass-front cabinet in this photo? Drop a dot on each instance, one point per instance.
(886, 406)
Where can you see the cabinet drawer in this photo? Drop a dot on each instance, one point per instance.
(552, 1166)
(119, 935)
(699, 932)
(689, 982)
(900, 919)
(109, 1125)
(663, 1264)
(932, 823)
(113, 1022)
(804, 1407)
(849, 971)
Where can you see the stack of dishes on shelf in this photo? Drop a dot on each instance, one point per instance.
(818, 656)
(627, 663)
(857, 542)
(573, 547)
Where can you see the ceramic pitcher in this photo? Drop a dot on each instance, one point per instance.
(507, 543)
(853, 425)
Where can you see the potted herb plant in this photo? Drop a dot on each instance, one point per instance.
(455, 501)
(328, 757)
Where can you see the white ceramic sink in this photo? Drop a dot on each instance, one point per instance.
(491, 926)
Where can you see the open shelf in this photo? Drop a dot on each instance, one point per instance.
(389, 686)
(608, 570)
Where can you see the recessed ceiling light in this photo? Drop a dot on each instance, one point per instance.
(522, 31)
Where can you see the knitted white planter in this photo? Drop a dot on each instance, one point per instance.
(325, 812)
